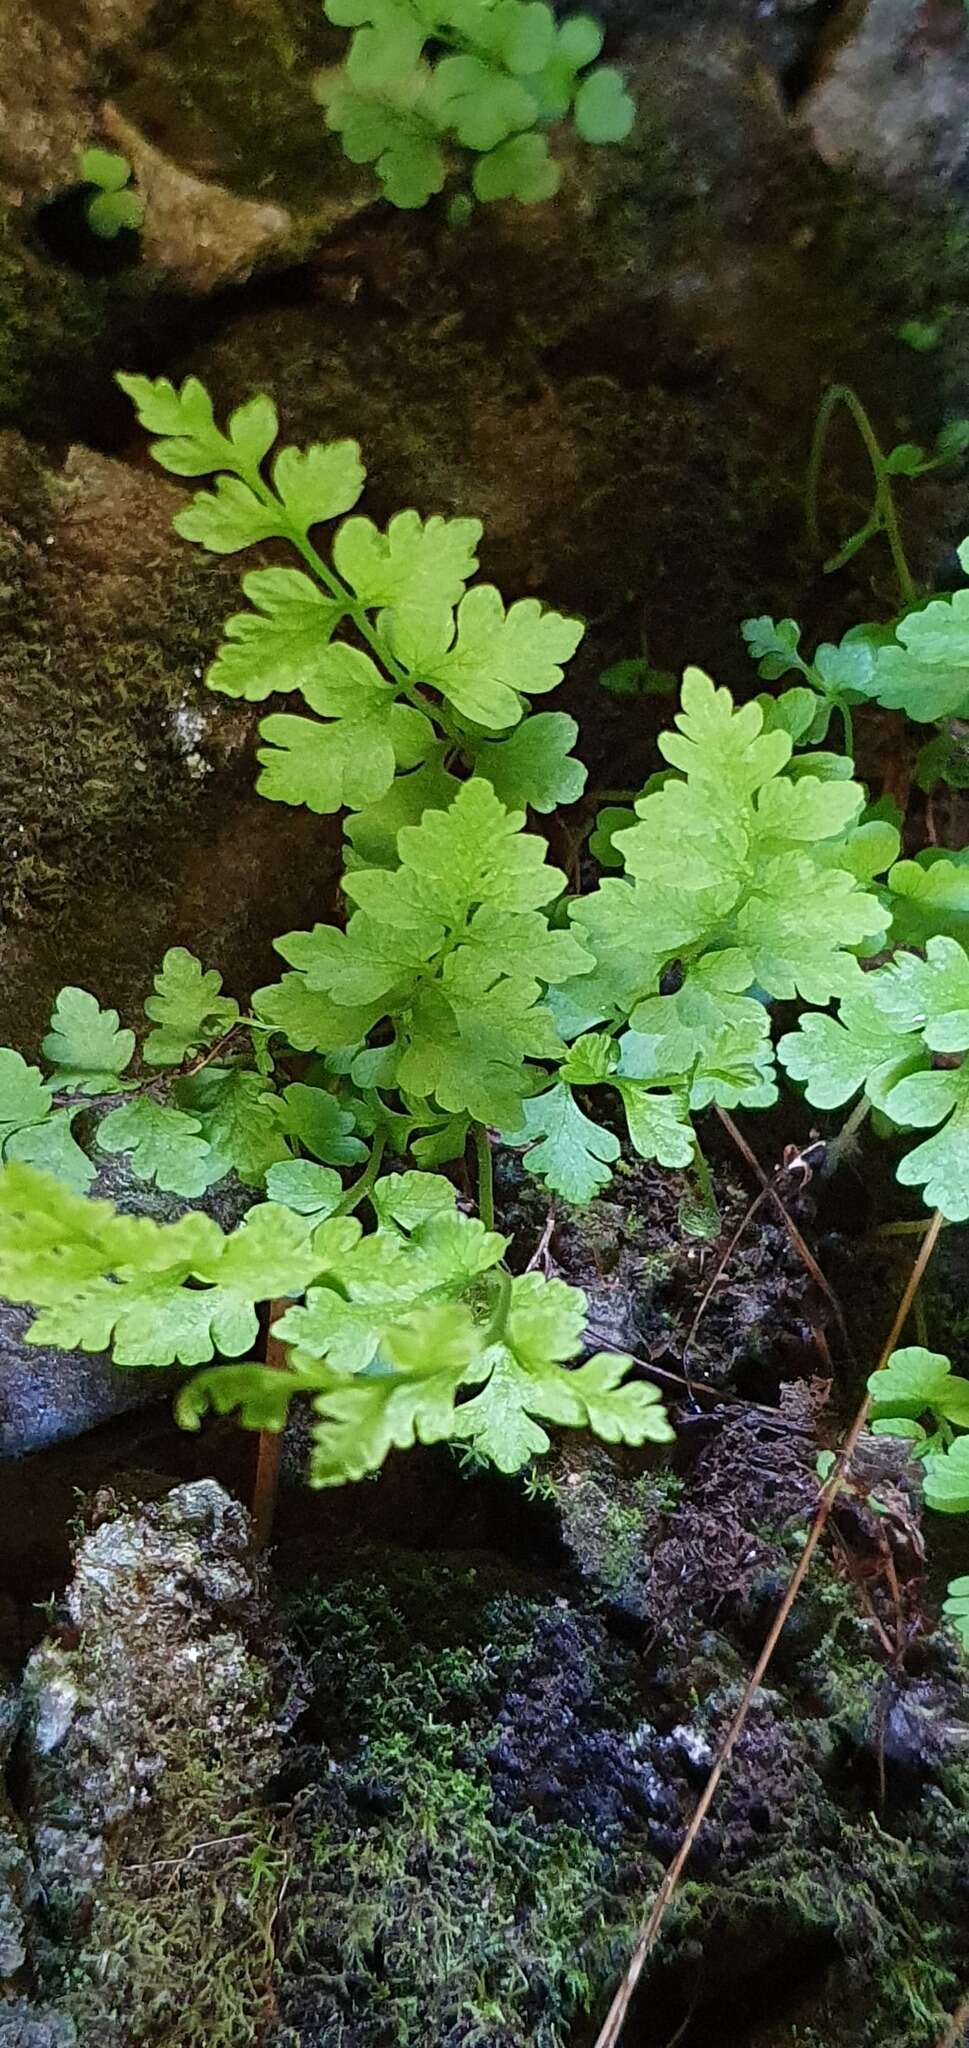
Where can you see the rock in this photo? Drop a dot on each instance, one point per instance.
(48, 1395)
(43, 119)
(921, 1727)
(27, 2026)
(893, 97)
(198, 234)
(16, 1876)
(123, 780)
(216, 116)
(148, 1745)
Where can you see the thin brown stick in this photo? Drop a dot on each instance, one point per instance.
(646, 1941)
(800, 1244)
(269, 1458)
(720, 1269)
(164, 1078)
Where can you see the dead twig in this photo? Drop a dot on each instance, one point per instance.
(800, 1244)
(540, 1257)
(721, 1396)
(646, 1941)
(70, 1098)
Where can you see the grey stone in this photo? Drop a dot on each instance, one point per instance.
(48, 1395)
(30, 2026)
(893, 98)
(16, 1877)
(149, 1734)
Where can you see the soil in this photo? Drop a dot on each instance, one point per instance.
(460, 1724)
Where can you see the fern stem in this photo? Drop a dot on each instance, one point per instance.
(328, 578)
(499, 1321)
(486, 1176)
(360, 1188)
(884, 508)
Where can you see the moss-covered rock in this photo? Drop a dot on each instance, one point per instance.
(496, 1767)
(151, 1741)
(124, 786)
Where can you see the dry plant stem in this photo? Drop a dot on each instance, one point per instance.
(616, 2018)
(719, 1271)
(801, 1247)
(269, 1456)
(162, 1078)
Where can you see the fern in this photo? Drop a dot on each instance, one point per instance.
(882, 1044)
(110, 204)
(436, 672)
(398, 1336)
(469, 83)
(468, 993)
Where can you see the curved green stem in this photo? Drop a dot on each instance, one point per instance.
(499, 1321)
(884, 508)
(486, 1177)
(360, 1188)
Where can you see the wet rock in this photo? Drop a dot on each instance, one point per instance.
(150, 1736)
(125, 787)
(47, 1395)
(921, 1726)
(893, 96)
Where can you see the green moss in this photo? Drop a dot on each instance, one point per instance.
(609, 1518)
(92, 758)
(203, 1897)
(229, 92)
(417, 1907)
(58, 332)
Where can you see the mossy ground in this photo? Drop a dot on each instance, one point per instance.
(492, 1773)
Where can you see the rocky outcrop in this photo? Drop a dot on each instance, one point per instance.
(892, 98)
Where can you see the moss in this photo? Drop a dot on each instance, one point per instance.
(92, 757)
(204, 1894)
(60, 336)
(444, 1890)
(229, 94)
(420, 1909)
(609, 1518)
(160, 1860)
